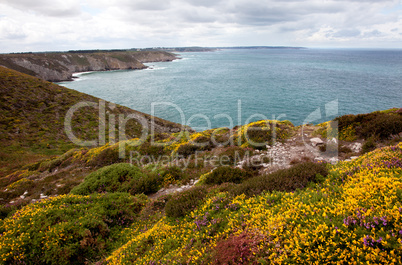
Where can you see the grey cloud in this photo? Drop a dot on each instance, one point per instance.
(14, 36)
(346, 33)
(259, 15)
(47, 7)
(271, 12)
(150, 5)
(374, 33)
(204, 3)
(198, 16)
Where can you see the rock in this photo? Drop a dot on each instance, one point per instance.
(353, 157)
(333, 160)
(356, 147)
(333, 140)
(318, 158)
(316, 141)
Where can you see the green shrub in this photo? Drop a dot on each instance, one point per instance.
(227, 174)
(380, 125)
(174, 171)
(255, 163)
(121, 177)
(261, 133)
(114, 178)
(68, 229)
(296, 177)
(106, 157)
(204, 142)
(150, 149)
(50, 165)
(147, 184)
(184, 202)
(235, 154)
(188, 149)
(154, 207)
(369, 145)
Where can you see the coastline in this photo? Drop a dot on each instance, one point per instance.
(64, 66)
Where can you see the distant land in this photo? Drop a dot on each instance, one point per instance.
(60, 66)
(208, 49)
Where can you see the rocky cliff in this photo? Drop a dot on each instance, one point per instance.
(57, 67)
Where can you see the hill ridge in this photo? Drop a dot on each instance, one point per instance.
(33, 116)
(59, 66)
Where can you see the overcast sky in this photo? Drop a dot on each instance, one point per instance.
(53, 25)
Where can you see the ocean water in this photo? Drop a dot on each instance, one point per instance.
(226, 88)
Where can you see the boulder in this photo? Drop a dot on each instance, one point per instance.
(356, 147)
(316, 141)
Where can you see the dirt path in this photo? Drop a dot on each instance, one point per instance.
(303, 146)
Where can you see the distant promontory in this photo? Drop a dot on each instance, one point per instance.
(59, 66)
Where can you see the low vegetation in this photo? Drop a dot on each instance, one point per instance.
(68, 229)
(32, 119)
(90, 205)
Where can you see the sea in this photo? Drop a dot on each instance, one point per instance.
(230, 87)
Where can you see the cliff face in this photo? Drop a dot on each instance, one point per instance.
(60, 66)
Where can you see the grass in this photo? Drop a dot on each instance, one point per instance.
(97, 213)
(33, 115)
(280, 214)
(352, 216)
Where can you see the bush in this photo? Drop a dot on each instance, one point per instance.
(147, 184)
(226, 174)
(106, 157)
(188, 149)
(184, 202)
(115, 178)
(369, 145)
(152, 150)
(235, 154)
(50, 165)
(255, 163)
(299, 160)
(204, 142)
(68, 229)
(261, 133)
(238, 249)
(154, 207)
(379, 125)
(291, 179)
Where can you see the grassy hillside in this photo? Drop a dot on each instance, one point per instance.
(221, 196)
(32, 119)
(351, 212)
